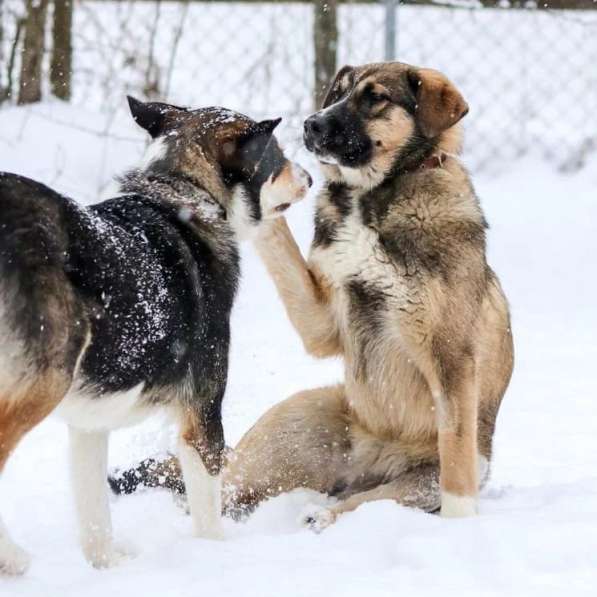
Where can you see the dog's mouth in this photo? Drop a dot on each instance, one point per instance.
(327, 159)
(321, 153)
(326, 153)
(282, 207)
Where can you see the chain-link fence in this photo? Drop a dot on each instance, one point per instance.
(529, 75)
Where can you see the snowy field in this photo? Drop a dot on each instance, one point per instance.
(537, 529)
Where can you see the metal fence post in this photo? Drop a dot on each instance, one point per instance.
(390, 29)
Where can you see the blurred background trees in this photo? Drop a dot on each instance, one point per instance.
(527, 67)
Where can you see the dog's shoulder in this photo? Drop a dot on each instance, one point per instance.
(427, 219)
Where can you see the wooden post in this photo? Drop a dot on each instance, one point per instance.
(33, 51)
(62, 49)
(325, 40)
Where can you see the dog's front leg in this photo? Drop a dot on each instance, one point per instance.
(200, 452)
(89, 463)
(304, 297)
(457, 408)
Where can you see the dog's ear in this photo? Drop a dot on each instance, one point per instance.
(338, 86)
(439, 104)
(265, 127)
(253, 139)
(152, 115)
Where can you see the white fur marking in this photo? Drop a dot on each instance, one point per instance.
(81, 409)
(458, 506)
(155, 151)
(238, 214)
(203, 493)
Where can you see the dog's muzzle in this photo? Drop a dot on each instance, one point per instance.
(335, 136)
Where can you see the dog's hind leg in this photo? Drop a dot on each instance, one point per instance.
(200, 453)
(20, 411)
(300, 442)
(416, 488)
(89, 463)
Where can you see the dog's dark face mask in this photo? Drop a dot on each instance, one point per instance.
(218, 148)
(374, 112)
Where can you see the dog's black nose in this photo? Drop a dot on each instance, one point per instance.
(315, 126)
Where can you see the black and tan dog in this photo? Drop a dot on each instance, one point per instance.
(110, 312)
(397, 283)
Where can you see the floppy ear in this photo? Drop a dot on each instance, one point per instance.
(151, 115)
(439, 104)
(335, 89)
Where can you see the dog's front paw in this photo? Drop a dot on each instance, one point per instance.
(455, 506)
(212, 530)
(13, 559)
(109, 554)
(317, 519)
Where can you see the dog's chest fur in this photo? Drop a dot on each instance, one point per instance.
(372, 251)
(349, 253)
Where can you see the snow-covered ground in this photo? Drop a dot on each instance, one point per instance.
(537, 529)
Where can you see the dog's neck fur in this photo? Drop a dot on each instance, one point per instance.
(192, 201)
(194, 206)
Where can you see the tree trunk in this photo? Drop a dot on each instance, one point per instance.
(62, 49)
(325, 39)
(33, 51)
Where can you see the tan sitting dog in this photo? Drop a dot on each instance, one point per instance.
(398, 284)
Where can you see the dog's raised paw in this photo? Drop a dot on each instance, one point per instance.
(14, 560)
(317, 519)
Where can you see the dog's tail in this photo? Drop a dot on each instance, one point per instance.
(150, 472)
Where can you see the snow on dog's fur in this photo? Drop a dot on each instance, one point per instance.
(113, 311)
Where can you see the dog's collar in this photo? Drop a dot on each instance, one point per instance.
(435, 160)
(431, 162)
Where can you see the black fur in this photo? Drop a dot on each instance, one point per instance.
(150, 473)
(154, 293)
(325, 230)
(368, 306)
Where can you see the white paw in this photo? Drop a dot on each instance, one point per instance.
(317, 518)
(109, 554)
(13, 559)
(213, 531)
(457, 506)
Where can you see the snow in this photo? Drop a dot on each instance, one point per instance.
(537, 529)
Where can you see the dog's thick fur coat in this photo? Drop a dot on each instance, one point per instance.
(111, 311)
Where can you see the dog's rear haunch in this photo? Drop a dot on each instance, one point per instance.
(110, 312)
